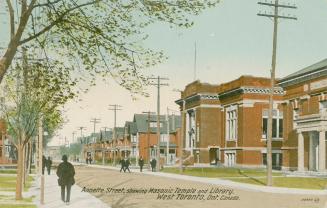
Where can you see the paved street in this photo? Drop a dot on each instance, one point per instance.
(119, 191)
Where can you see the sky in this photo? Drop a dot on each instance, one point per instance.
(231, 41)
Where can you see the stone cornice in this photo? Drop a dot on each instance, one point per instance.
(251, 90)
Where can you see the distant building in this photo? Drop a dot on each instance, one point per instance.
(137, 138)
(144, 137)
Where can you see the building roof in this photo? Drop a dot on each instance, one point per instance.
(141, 123)
(313, 71)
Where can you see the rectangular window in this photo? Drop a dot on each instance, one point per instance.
(230, 159)
(231, 123)
(277, 159)
(134, 139)
(154, 124)
(277, 124)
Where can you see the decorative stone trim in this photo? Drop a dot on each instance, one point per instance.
(252, 90)
(259, 90)
(209, 96)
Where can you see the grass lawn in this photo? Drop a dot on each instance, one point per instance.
(8, 171)
(288, 182)
(17, 206)
(253, 176)
(220, 172)
(12, 198)
(8, 183)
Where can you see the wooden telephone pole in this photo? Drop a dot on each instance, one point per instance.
(158, 84)
(276, 16)
(114, 108)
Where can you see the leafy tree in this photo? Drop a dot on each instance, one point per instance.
(96, 36)
(32, 95)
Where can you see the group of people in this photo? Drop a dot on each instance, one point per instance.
(66, 172)
(124, 163)
(89, 159)
(46, 163)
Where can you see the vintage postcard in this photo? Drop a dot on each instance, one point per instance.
(163, 103)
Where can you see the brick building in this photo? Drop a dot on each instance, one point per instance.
(144, 136)
(137, 138)
(226, 124)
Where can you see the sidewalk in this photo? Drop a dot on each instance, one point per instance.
(52, 197)
(228, 183)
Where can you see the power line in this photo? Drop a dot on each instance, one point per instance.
(158, 84)
(275, 16)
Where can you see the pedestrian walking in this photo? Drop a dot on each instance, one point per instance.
(44, 161)
(153, 164)
(48, 165)
(122, 165)
(66, 173)
(127, 163)
(141, 163)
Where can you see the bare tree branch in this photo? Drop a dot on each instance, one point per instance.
(54, 23)
(12, 19)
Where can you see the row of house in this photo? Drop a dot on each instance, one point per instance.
(226, 124)
(137, 138)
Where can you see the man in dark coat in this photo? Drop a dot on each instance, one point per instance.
(44, 161)
(122, 165)
(127, 163)
(153, 164)
(141, 163)
(66, 173)
(48, 164)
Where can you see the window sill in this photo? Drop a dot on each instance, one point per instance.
(231, 140)
(273, 139)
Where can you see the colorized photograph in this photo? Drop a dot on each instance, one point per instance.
(163, 103)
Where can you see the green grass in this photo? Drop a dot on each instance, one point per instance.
(8, 171)
(17, 206)
(8, 183)
(220, 172)
(253, 176)
(288, 182)
(12, 198)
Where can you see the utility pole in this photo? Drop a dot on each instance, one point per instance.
(41, 159)
(102, 144)
(114, 108)
(276, 16)
(148, 133)
(81, 128)
(194, 78)
(94, 121)
(168, 137)
(158, 85)
(74, 136)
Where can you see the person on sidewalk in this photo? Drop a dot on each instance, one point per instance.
(44, 161)
(141, 163)
(122, 165)
(127, 163)
(66, 173)
(49, 164)
(153, 164)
